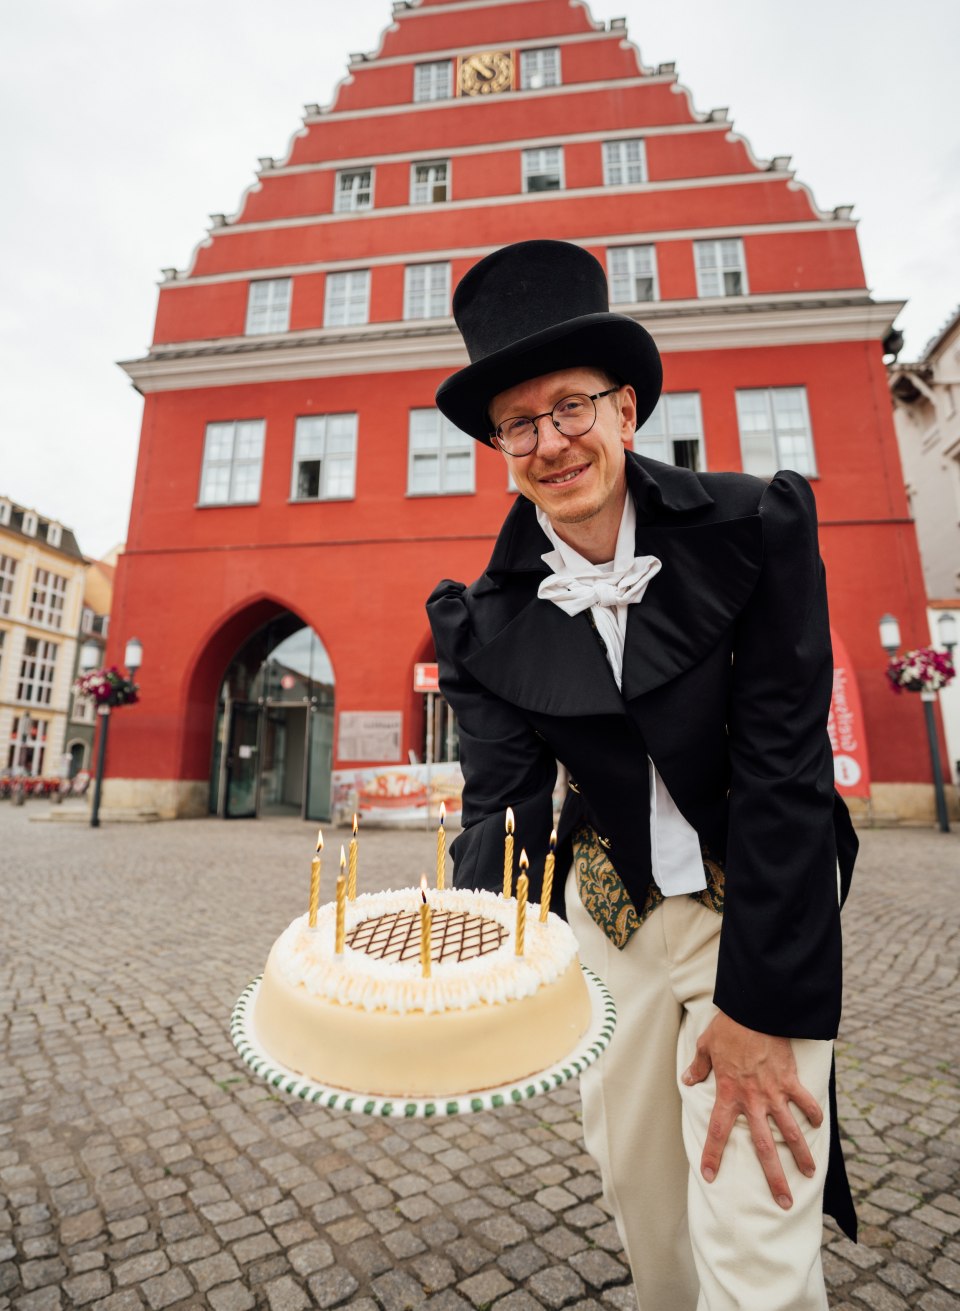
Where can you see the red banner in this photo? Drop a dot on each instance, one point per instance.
(845, 726)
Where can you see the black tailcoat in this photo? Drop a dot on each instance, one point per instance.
(727, 677)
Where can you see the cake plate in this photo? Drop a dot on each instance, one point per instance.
(603, 1019)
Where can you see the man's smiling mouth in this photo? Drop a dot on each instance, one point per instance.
(567, 476)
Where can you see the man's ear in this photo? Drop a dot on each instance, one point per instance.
(628, 414)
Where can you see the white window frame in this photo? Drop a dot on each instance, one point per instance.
(347, 299)
(773, 444)
(349, 199)
(48, 598)
(540, 68)
(423, 193)
(677, 417)
(623, 280)
(38, 670)
(618, 168)
(534, 165)
(32, 748)
(83, 711)
(433, 80)
(6, 511)
(268, 306)
(314, 437)
(434, 293)
(433, 438)
(3, 638)
(715, 261)
(245, 435)
(54, 533)
(8, 580)
(28, 523)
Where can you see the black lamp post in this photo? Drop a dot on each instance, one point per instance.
(89, 659)
(890, 641)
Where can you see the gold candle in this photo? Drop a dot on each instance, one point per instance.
(341, 903)
(508, 856)
(315, 881)
(426, 928)
(523, 885)
(352, 882)
(442, 851)
(548, 878)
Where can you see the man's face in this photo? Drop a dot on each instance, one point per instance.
(572, 479)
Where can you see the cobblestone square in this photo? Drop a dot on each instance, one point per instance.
(143, 1165)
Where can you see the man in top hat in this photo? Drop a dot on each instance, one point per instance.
(664, 635)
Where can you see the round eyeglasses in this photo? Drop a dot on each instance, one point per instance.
(573, 416)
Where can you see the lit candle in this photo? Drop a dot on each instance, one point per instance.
(426, 927)
(442, 851)
(341, 903)
(508, 856)
(548, 878)
(523, 884)
(315, 881)
(352, 883)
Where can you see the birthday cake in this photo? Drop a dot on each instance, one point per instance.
(376, 1017)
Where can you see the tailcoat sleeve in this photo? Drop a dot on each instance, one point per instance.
(779, 968)
(503, 760)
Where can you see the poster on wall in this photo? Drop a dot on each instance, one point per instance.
(399, 794)
(365, 736)
(845, 727)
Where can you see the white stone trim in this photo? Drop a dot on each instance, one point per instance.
(739, 322)
(455, 52)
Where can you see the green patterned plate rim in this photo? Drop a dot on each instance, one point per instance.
(589, 1048)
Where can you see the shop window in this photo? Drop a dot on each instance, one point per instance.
(325, 457)
(232, 461)
(440, 456)
(268, 306)
(28, 740)
(633, 274)
(721, 268)
(674, 432)
(775, 431)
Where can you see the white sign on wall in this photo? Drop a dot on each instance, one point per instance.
(364, 735)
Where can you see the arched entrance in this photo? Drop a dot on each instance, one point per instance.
(273, 734)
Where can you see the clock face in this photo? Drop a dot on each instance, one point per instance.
(486, 73)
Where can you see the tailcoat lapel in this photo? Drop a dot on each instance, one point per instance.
(540, 659)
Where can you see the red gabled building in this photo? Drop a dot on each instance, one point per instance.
(298, 495)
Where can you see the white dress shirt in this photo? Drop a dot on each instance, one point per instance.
(608, 590)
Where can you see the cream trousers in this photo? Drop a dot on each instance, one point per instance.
(692, 1246)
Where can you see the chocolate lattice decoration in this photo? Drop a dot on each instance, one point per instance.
(454, 936)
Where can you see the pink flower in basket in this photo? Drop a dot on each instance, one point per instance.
(923, 670)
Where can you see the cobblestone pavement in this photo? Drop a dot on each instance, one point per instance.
(142, 1165)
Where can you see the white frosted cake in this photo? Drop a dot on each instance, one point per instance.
(367, 1019)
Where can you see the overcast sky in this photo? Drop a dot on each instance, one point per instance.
(126, 123)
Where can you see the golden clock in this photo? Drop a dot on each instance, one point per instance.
(485, 73)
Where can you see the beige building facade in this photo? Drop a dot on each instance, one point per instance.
(42, 573)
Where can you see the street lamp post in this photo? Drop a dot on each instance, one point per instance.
(89, 657)
(890, 641)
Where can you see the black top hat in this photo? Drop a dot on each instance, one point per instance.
(533, 308)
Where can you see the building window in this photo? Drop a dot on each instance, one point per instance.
(54, 534)
(28, 524)
(3, 638)
(441, 456)
(83, 711)
(721, 270)
(354, 190)
(268, 306)
(27, 742)
(775, 431)
(426, 291)
(430, 182)
(232, 459)
(324, 457)
(674, 432)
(539, 68)
(543, 169)
(8, 574)
(624, 161)
(37, 669)
(633, 274)
(6, 511)
(347, 299)
(433, 81)
(47, 598)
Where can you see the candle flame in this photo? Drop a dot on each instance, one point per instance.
(553, 839)
(443, 813)
(509, 819)
(423, 886)
(524, 863)
(343, 858)
(319, 839)
(356, 823)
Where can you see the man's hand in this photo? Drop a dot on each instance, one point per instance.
(756, 1077)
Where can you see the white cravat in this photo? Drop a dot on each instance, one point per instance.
(607, 590)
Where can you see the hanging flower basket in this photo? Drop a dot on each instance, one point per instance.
(107, 688)
(925, 670)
